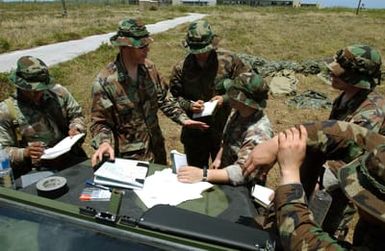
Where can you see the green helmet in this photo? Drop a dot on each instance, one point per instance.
(31, 74)
(199, 37)
(249, 89)
(358, 65)
(131, 33)
(363, 181)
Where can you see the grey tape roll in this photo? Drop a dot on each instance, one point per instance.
(52, 187)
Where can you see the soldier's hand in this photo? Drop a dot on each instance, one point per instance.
(190, 174)
(104, 149)
(197, 106)
(34, 150)
(189, 123)
(262, 158)
(216, 164)
(219, 98)
(291, 153)
(73, 131)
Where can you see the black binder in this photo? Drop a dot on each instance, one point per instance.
(185, 223)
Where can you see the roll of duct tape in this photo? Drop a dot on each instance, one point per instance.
(52, 187)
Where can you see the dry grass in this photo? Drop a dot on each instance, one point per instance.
(272, 33)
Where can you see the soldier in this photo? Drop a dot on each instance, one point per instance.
(356, 72)
(362, 181)
(199, 78)
(125, 100)
(39, 114)
(246, 127)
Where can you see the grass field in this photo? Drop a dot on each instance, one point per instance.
(271, 33)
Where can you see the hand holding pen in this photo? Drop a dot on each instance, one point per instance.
(197, 106)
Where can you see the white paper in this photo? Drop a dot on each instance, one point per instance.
(263, 194)
(163, 187)
(208, 110)
(122, 172)
(62, 147)
(178, 160)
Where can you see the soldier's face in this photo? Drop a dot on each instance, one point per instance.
(135, 55)
(338, 83)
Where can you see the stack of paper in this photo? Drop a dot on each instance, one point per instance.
(208, 110)
(262, 195)
(124, 173)
(177, 160)
(163, 187)
(62, 147)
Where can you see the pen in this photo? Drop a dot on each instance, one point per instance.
(91, 183)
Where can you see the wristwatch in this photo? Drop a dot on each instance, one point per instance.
(204, 178)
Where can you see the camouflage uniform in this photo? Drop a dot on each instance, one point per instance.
(359, 179)
(241, 134)
(191, 82)
(124, 112)
(358, 65)
(49, 122)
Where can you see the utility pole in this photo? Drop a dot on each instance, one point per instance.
(358, 6)
(64, 8)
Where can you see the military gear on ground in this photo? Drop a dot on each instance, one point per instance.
(131, 33)
(358, 65)
(310, 99)
(249, 89)
(31, 74)
(199, 37)
(283, 83)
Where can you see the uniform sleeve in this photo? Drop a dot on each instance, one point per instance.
(176, 87)
(8, 138)
(340, 140)
(102, 121)
(74, 112)
(296, 227)
(256, 134)
(370, 115)
(168, 105)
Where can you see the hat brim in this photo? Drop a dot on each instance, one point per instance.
(131, 41)
(204, 49)
(335, 68)
(25, 85)
(238, 96)
(350, 180)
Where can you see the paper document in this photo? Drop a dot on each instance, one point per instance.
(262, 195)
(62, 147)
(124, 173)
(177, 160)
(209, 108)
(163, 187)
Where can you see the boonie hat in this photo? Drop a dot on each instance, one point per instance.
(31, 74)
(249, 89)
(131, 33)
(199, 37)
(363, 181)
(358, 65)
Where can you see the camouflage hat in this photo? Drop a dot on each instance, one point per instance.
(31, 74)
(358, 65)
(131, 33)
(199, 37)
(363, 181)
(249, 89)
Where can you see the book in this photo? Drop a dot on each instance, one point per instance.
(123, 173)
(177, 160)
(208, 110)
(95, 194)
(62, 147)
(262, 195)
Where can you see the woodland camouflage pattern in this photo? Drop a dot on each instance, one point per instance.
(124, 113)
(189, 81)
(358, 65)
(48, 122)
(31, 74)
(199, 37)
(338, 141)
(249, 89)
(240, 136)
(132, 33)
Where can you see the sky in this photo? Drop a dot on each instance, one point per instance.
(324, 3)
